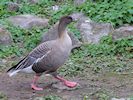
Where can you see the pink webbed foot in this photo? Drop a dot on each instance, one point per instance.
(70, 84)
(66, 82)
(34, 87)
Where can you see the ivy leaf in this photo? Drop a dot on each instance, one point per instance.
(130, 11)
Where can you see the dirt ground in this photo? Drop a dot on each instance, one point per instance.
(114, 85)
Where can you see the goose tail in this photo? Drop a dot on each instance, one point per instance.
(15, 69)
(12, 72)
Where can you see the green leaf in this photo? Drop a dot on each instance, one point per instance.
(130, 11)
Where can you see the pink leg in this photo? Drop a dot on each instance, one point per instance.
(34, 83)
(66, 82)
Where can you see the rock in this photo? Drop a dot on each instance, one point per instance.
(33, 1)
(13, 6)
(79, 2)
(19, 1)
(28, 21)
(55, 7)
(122, 32)
(5, 37)
(75, 42)
(53, 34)
(121, 99)
(92, 32)
(59, 0)
(3, 63)
(77, 16)
(27, 1)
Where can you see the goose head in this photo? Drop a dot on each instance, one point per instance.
(63, 22)
(66, 20)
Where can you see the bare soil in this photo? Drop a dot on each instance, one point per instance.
(114, 85)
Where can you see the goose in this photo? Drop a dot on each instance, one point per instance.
(47, 57)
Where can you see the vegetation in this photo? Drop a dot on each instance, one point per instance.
(24, 40)
(100, 11)
(49, 97)
(117, 12)
(108, 55)
(3, 96)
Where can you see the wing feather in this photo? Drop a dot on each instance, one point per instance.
(40, 52)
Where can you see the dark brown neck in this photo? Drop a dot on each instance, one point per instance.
(61, 29)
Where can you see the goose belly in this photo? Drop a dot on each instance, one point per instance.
(58, 59)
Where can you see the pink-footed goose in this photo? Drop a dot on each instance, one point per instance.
(47, 57)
